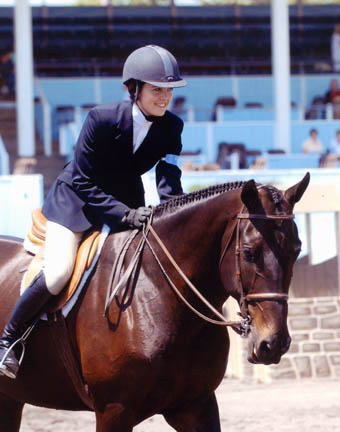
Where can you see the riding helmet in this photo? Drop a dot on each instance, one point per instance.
(154, 65)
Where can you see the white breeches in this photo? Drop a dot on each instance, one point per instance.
(61, 248)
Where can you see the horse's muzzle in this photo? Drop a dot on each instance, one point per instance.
(268, 351)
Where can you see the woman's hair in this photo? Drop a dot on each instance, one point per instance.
(134, 87)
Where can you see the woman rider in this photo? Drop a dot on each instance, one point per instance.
(102, 184)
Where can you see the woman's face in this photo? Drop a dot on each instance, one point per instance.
(154, 100)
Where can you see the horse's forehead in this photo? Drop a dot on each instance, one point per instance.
(267, 198)
(273, 202)
(273, 199)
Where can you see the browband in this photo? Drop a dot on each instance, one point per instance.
(266, 296)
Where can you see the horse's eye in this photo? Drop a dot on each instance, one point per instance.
(249, 254)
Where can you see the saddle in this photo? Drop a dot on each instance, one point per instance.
(36, 241)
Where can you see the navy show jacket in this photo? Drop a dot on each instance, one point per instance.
(103, 181)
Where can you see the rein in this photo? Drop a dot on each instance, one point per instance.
(189, 283)
(112, 292)
(241, 327)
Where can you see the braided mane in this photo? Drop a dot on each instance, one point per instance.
(203, 194)
(196, 196)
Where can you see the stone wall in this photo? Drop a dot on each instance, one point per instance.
(314, 325)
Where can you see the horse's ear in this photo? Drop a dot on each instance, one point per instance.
(294, 193)
(250, 195)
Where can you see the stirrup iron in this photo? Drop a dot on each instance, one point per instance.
(22, 341)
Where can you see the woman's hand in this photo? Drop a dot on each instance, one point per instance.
(136, 218)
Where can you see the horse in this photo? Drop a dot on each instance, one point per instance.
(160, 346)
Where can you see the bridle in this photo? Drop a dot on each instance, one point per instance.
(245, 298)
(242, 327)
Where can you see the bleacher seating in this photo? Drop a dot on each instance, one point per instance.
(206, 40)
(217, 44)
(201, 92)
(201, 95)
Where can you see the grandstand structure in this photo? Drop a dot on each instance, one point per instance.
(224, 53)
(94, 41)
(254, 127)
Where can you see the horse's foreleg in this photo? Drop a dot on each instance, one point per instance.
(10, 414)
(198, 416)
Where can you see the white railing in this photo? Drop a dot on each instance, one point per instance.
(4, 158)
(19, 195)
(320, 209)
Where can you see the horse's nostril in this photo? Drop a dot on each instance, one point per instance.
(274, 345)
(265, 347)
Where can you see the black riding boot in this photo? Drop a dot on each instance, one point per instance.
(28, 307)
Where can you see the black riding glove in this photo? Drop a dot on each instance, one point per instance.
(136, 218)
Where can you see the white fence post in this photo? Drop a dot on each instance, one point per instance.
(4, 158)
(47, 124)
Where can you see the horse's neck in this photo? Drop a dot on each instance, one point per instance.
(207, 216)
(194, 234)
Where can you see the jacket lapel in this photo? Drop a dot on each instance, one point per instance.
(153, 142)
(124, 132)
(151, 150)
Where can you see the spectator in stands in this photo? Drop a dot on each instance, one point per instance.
(317, 109)
(335, 144)
(7, 76)
(333, 92)
(333, 97)
(312, 144)
(102, 185)
(335, 48)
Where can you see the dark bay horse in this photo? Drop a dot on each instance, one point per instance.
(151, 354)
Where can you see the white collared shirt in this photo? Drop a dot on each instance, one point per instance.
(141, 127)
